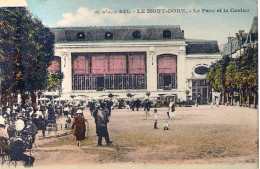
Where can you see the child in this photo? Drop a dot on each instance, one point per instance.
(166, 126)
(155, 115)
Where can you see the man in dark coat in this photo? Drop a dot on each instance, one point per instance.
(137, 104)
(79, 127)
(101, 125)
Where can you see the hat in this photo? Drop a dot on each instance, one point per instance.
(79, 111)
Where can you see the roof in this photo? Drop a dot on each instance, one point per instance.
(13, 3)
(124, 33)
(198, 46)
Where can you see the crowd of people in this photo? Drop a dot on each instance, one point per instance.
(19, 125)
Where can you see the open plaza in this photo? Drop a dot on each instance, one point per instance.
(197, 136)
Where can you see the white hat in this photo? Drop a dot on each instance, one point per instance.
(79, 111)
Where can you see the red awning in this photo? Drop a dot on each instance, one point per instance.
(136, 64)
(81, 65)
(117, 64)
(167, 65)
(99, 64)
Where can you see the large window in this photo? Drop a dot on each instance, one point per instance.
(167, 68)
(109, 71)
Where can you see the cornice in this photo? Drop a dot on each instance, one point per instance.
(132, 45)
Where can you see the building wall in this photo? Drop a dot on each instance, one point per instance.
(185, 64)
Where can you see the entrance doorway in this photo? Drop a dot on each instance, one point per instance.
(100, 83)
(167, 82)
(201, 92)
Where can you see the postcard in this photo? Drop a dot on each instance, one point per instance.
(129, 84)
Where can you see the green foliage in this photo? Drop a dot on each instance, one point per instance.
(54, 80)
(248, 65)
(26, 50)
(239, 74)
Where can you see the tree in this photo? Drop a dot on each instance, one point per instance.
(248, 65)
(25, 67)
(216, 76)
(241, 75)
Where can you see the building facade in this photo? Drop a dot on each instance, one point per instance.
(237, 45)
(133, 59)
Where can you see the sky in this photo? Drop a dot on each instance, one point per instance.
(191, 15)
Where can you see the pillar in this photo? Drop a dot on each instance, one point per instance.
(151, 64)
(181, 71)
(67, 72)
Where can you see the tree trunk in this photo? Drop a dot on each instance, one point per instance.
(223, 98)
(254, 100)
(23, 96)
(240, 99)
(33, 99)
(227, 99)
(231, 100)
(243, 98)
(248, 101)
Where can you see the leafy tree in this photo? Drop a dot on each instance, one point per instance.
(27, 49)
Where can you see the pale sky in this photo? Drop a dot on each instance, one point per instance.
(212, 25)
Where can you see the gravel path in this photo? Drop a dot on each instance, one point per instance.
(199, 137)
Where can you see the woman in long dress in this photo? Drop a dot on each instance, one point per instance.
(171, 110)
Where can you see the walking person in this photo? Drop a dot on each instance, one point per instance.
(79, 127)
(101, 126)
(155, 115)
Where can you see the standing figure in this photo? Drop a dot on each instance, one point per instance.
(101, 124)
(155, 115)
(79, 127)
(147, 106)
(127, 104)
(42, 123)
(171, 110)
(137, 104)
(133, 105)
(92, 105)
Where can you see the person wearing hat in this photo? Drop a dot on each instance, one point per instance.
(79, 127)
(101, 119)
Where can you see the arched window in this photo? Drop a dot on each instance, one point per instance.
(81, 35)
(108, 35)
(167, 34)
(136, 34)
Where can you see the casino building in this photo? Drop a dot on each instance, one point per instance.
(133, 59)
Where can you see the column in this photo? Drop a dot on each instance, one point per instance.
(151, 65)
(181, 69)
(67, 72)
